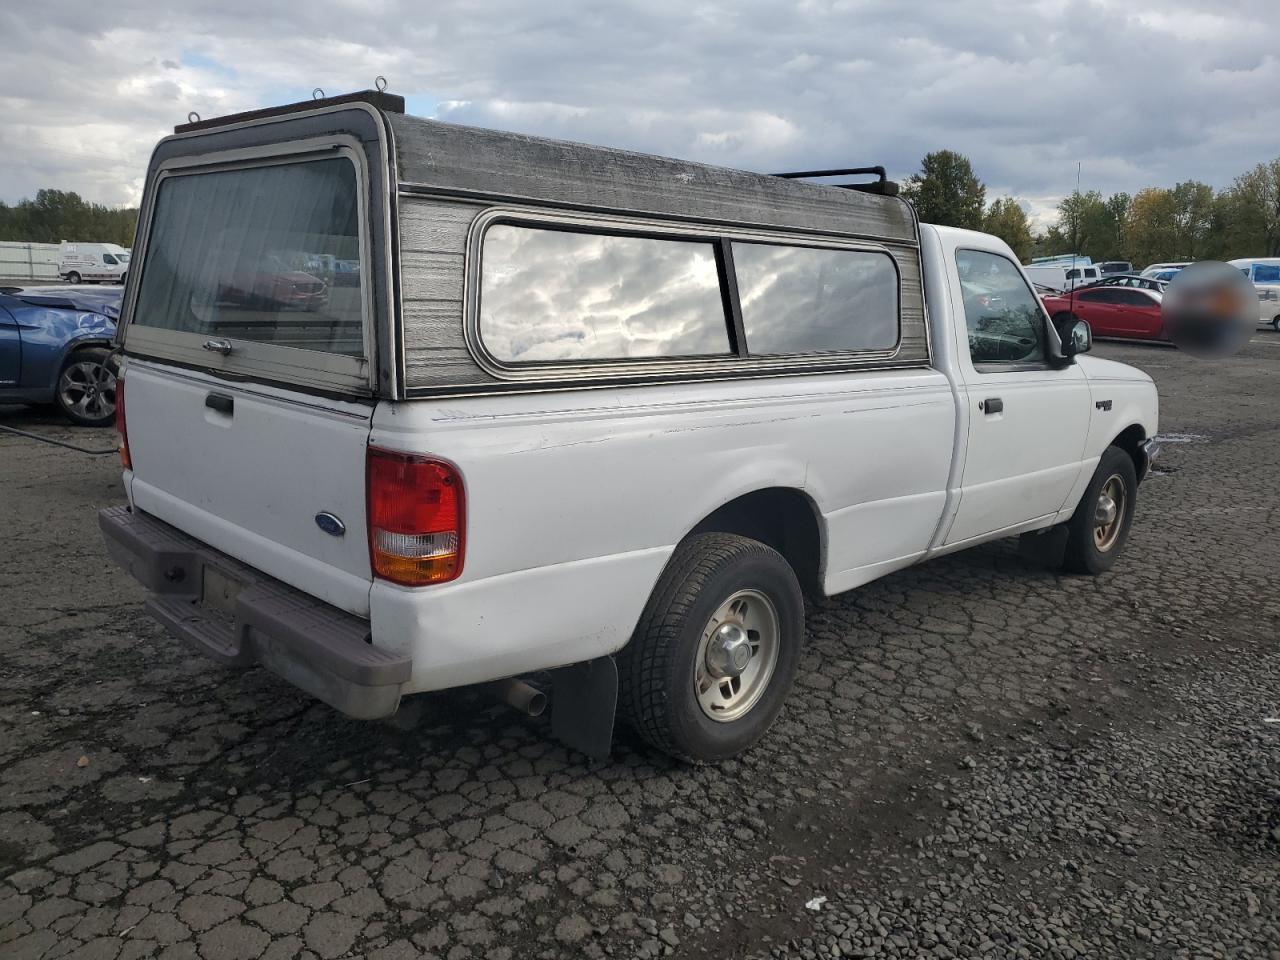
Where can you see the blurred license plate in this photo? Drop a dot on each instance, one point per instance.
(219, 591)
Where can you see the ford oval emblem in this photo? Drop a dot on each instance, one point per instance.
(330, 524)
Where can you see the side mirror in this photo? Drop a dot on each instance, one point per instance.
(1076, 338)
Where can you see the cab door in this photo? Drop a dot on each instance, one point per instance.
(1098, 307)
(1028, 419)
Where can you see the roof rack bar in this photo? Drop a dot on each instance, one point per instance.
(884, 186)
(846, 171)
(387, 102)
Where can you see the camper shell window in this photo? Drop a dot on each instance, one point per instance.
(565, 294)
(247, 254)
(255, 262)
(812, 300)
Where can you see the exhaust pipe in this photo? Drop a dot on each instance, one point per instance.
(516, 693)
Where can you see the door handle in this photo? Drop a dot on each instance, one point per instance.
(221, 403)
(991, 405)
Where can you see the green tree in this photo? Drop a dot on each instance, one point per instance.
(1118, 209)
(1151, 227)
(56, 215)
(1051, 243)
(1007, 221)
(1087, 222)
(1193, 219)
(1253, 201)
(946, 191)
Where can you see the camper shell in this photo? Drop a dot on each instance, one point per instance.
(430, 191)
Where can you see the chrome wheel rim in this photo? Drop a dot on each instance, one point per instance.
(1108, 513)
(736, 656)
(88, 389)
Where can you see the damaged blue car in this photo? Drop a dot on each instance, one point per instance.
(56, 347)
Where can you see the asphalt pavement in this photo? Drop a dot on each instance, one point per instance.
(981, 758)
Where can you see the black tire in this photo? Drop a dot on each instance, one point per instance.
(1275, 324)
(1088, 550)
(658, 669)
(73, 277)
(86, 387)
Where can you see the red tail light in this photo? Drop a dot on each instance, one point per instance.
(416, 518)
(125, 460)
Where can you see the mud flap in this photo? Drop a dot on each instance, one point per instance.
(584, 700)
(1046, 548)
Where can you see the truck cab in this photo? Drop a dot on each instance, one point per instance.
(574, 412)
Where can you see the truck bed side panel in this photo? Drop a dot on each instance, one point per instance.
(576, 500)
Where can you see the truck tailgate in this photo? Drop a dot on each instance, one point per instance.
(247, 469)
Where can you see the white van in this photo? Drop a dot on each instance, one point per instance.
(1063, 275)
(1053, 276)
(93, 262)
(577, 410)
(1264, 274)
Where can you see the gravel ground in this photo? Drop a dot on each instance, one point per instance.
(981, 758)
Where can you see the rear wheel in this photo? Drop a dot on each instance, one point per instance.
(1099, 528)
(73, 277)
(87, 387)
(1275, 323)
(715, 652)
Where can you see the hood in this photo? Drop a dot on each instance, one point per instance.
(105, 301)
(1096, 368)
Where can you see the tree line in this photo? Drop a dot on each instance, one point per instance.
(1188, 221)
(57, 215)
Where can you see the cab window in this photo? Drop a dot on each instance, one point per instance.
(1003, 317)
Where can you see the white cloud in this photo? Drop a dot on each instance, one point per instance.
(1139, 93)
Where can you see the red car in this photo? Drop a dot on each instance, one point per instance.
(271, 285)
(1129, 312)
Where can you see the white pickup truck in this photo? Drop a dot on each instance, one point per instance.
(574, 413)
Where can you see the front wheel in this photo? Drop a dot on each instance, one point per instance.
(1100, 526)
(73, 277)
(1275, 324)
(87, 387)
(716, 650)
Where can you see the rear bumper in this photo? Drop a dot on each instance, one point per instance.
(251, 618)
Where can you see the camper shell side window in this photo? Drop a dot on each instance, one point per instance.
(567, 295)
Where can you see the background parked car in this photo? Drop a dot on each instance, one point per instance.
(1082, 276)
(1128, 312)
(271, 285)
(1265, 274)
(1131, 280)
(55, 347)
(1165, 268)
(1109, 267)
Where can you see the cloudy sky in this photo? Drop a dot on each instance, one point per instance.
(1140, 92)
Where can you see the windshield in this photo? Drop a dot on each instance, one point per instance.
(250, 254)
